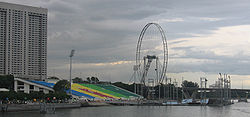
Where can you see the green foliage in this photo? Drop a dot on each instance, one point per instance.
(124, 86)
(92, 80)
(77, 80)
(58, 95)
(88, 80)
(53, 77)
(4, 95)
(11, 95)
(190, 84)
(7, 81)
(61, 86)
(190, 89)
(36, 95)
(21, 96)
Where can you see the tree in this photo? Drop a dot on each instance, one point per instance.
(190, 89)
(62, 86)
(36, 95)
(54, 77)
(7, 81)
(190, 84)
(88, 80)
(92, 80)
(124, 86)
(77, 80)
(58, 95)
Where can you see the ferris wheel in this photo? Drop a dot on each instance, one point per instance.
(151, 54)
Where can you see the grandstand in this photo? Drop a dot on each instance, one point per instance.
(119, 90)
(50, 85)
(97, 87)
(96, 91)
(79, 94)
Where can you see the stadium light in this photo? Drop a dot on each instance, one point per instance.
(70, 80)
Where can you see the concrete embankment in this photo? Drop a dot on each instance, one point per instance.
(35, 106)
(94, 104)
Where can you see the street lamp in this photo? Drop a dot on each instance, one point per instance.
(70, 56)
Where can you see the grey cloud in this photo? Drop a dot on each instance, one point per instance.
(225, 64)
(107, 30)
(104, 26)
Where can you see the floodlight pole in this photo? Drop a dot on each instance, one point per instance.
(70, 70)
(70, 80)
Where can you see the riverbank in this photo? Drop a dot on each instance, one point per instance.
(35, 106)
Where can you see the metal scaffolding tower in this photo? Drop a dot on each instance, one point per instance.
(203, 92)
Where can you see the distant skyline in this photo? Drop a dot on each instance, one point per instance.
(204, 37)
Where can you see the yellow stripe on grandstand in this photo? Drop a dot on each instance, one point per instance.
(93, 90)
(77, 86)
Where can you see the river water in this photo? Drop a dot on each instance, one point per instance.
(235, 110)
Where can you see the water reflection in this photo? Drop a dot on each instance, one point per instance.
(236, 110)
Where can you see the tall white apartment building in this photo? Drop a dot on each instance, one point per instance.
(23, 41)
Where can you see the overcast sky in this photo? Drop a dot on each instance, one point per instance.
(205, 37)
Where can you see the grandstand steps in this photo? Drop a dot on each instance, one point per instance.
(80, 88)
(121, 91)
(99, 92)
(124, 103)
(132, 93)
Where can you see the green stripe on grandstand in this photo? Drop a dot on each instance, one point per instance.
(118, 90)
(131, 93)
(104, 90)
